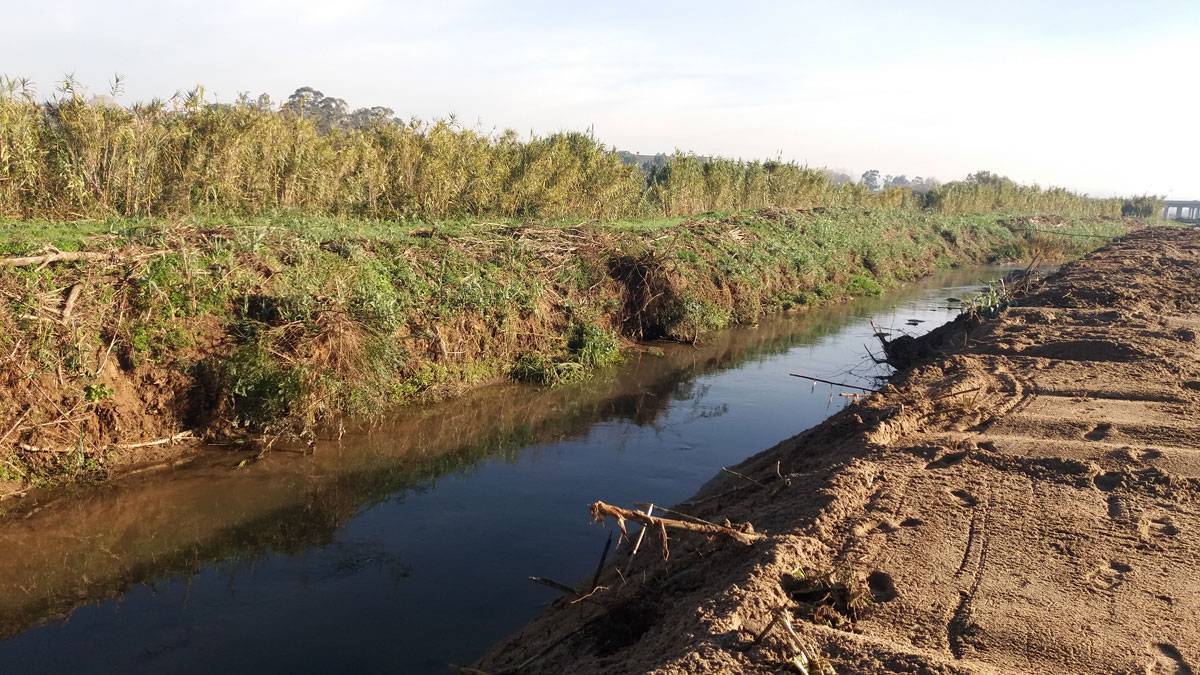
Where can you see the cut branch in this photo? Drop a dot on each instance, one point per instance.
(600, 510)
(183, 435)
(836, 384)
(60, 256)
(72, 297)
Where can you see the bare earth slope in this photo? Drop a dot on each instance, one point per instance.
(1028, 499)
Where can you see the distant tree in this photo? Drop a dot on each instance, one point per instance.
(838, 177)
(327, 111)
(923, 185)
(368, 117)
(303, 101)
(900, 181)
(989, 178)
(871, 180)
(1144, 206)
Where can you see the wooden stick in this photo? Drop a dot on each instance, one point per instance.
(161, 441)
(836, 384)
(600, 510)
(60, 256)
(744, 476)
(638, 544)
(560, 587)
(72, 296)
(600, 567)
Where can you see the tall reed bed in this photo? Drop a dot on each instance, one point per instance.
(983, 192)
(76, 157)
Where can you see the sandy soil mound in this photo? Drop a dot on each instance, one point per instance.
(1026, 499)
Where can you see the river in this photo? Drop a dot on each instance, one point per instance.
(407, 547)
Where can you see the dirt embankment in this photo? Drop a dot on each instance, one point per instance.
(142, 334)
(1025, 500)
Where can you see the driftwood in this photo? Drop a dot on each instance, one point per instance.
(600, 510)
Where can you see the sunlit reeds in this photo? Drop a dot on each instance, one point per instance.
(75, 157)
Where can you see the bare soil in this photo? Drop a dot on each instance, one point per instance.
(1024, 498)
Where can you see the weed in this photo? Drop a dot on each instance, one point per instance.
(262, 391)
(93, 393)
(593, 346)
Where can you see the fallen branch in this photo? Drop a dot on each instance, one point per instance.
(600, 510)
(637, 544)
(160, 441)
(600, 567)
(33, 448)
(59, 256)
(560, 587)
(836, 384)
(72, 297)
(742, 476)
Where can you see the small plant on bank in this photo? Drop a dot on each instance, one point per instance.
(989, 302)
(94, 393)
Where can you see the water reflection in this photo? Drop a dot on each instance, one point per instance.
(407, 547)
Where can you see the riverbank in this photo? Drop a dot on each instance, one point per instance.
(123, 338)
(493, 466)
(1023, 498)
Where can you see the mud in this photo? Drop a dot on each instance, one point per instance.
(1023, 498)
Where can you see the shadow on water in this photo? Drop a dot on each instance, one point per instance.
(406, 547)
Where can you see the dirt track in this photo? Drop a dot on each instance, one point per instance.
(1027, 499)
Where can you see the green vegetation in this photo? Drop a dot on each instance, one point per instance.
(274, 325)
(263, 269)
(75, 158)
(984, 192)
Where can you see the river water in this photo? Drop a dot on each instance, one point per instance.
(409, 547)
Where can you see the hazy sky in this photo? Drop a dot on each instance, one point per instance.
(1098, 96)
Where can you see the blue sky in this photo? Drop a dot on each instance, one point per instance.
(1068, 93)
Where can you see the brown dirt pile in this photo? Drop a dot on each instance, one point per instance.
(1024, 500)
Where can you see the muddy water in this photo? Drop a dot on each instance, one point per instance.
(408, 548)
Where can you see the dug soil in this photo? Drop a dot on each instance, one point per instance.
(1024, 497)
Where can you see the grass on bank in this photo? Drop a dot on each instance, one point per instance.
(279, 324)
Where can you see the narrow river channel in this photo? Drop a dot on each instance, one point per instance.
(409, 548)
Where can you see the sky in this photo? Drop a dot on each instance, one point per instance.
(1098, 96)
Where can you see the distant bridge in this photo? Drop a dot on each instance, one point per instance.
(1188, 212)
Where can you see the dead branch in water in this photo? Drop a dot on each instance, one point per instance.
(600, 510)
(600, 567)
(558, 586)
(836, 384)
(637, 544)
